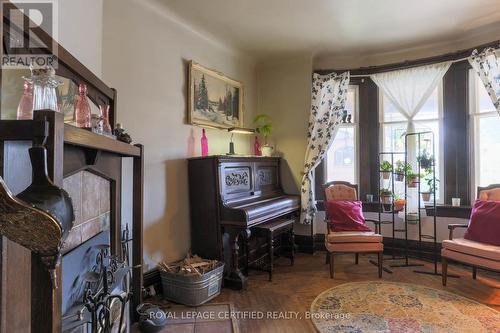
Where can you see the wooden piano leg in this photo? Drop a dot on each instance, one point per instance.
(235, 279)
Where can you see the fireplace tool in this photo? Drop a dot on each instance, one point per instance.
(106, 308)
(40, 217)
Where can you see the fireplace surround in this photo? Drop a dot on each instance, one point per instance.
(25, 285)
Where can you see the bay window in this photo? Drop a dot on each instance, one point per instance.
(393, 127)
(342, 156)
(485, 130)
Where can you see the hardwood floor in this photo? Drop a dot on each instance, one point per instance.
(295, 288)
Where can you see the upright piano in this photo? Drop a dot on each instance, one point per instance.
(228, 196)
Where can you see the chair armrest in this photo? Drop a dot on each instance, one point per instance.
(377, 224)
(452, 227)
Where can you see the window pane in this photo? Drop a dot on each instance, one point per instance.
(483, 99)
(488, 145)
(430, 110)
(390, 112)
(341, 157)
(351, 103)
(393, 137)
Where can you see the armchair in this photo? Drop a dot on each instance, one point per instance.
(350, 241)
(469, 252)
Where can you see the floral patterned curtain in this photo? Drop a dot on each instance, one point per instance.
(329, 93)
(487, 66)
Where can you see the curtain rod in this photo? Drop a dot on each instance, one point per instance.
(463, 54)
(452, 61)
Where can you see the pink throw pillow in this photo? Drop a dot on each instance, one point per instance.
(346, 215)
(484, 224)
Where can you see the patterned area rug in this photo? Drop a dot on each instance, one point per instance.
(362, 307)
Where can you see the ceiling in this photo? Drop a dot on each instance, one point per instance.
(270, 28)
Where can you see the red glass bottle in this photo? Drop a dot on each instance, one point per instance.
(204, 144)
(256, 147)
(25, 107)
(82, 108)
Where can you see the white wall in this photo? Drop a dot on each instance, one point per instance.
(80, 31)
(145, 54)
(285, 94)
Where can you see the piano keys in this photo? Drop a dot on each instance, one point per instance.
(228, 196)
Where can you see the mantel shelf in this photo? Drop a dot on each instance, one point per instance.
(83, 138)
(30, 129)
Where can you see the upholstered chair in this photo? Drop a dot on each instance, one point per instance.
(469, 252)
(349, 241)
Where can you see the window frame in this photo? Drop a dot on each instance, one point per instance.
(440, 141)
(475, 115)
(355, 126)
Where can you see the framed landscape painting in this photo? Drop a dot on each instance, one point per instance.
(214, 100)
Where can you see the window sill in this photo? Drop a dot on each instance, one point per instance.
(462, 212)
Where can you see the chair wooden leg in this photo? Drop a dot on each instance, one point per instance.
(444, 268)
(331, 265)
(327, 261)
(474, 272)
(380, 259)
(356, 260)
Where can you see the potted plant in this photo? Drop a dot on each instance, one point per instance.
(425, 159)
(412, 179)
(402, 168)
(431, 184)
(399, 203)
(386, 196)
(386, 169)
(264, 127)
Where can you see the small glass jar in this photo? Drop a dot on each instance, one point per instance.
(106, 127)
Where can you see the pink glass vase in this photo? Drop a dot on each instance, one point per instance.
(204, 144)
(25, 107)
(256, 147)
(106, 127)
(82, 108)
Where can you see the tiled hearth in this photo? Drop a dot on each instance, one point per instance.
(91, 202)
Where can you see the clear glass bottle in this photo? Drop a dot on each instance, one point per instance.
(82, 108)
(204, 144)
(25, 107)
(106, 127)
(44, 88)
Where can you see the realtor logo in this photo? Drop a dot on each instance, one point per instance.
(25, 28)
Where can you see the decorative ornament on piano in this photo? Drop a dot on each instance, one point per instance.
(238, 178)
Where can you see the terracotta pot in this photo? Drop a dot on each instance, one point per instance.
(386, 174)
(426, 196)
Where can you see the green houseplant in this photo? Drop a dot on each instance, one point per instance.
(431, 185)
(385, 169)
(264, 128)
(401, 169)
(425, 159)
(412, 179)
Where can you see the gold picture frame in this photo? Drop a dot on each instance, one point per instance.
(214, 100)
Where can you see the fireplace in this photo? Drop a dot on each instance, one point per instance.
(82, 251)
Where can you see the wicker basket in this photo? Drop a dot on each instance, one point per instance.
(192, 290)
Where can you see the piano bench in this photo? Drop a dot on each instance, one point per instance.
(271, 230)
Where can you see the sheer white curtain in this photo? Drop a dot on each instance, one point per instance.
(487, 66)
(409, 89)
(329, 93)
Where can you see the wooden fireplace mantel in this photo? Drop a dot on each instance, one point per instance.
(25, 283)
